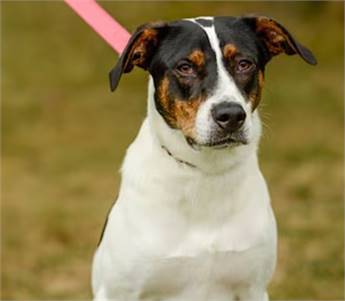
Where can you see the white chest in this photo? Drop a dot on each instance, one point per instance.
(180, 235)
(208, 276)
(195, 251)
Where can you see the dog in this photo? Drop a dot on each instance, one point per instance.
(193, 220)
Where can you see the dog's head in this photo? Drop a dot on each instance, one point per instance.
(208, 73)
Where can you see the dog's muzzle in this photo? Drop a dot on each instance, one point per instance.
(229, 118)
(227, 129)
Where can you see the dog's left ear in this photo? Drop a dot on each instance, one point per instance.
(277, 39)
(138, 52)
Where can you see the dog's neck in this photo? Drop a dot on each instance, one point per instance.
(205, 159)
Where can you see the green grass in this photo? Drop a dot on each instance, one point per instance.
(64, 136)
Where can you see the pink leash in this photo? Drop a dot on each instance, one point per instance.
(101, 22)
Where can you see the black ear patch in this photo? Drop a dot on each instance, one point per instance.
(204, 22)
(277, 39)
(138, 51)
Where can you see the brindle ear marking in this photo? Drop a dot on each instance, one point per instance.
(278, 40)
(138, 51)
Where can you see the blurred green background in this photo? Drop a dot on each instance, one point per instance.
(64, 136)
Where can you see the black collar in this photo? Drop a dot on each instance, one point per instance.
(177, 159)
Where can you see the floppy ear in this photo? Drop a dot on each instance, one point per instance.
(138, 51)
(277, 39)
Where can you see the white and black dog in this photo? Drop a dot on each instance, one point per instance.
(193, 220)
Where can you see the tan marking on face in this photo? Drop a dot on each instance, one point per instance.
(179, 113)
(274, 35)
(198, 58)
(164, 100)
(185, 115)
(229, 51)
(256, 95)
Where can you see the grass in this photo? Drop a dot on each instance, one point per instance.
(64, 136)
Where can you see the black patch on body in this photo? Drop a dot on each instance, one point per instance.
(103, 230)
(106, 223)
(204, 22)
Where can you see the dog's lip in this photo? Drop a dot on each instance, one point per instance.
(219, 144)
(222, 143)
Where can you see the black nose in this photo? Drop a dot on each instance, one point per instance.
(228, 115)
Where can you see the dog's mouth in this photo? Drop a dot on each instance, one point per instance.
(227, 142)
(221, 143)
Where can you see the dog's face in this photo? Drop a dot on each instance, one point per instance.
(208, 72)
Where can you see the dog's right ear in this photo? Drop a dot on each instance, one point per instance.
(139, 50)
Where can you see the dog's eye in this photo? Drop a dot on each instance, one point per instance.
(185, 69)
(244, 66)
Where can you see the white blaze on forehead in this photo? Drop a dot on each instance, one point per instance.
(201, 17)
(225, 90)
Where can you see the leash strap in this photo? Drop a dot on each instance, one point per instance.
(101, 22)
